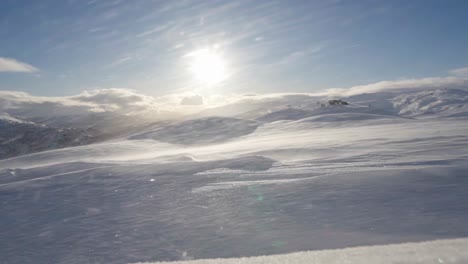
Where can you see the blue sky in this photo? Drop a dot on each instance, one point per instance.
(64, 47)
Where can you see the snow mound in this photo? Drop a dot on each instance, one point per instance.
(441, 102)
(201, 131)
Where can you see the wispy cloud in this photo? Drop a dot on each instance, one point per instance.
(12, 65)
(154, 30)
(118, 62)
(294, 56)
(460, 71)
(194, 99)
(111, 101)
(123, 101)
(411, 84)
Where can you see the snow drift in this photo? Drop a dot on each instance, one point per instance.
(388, 168)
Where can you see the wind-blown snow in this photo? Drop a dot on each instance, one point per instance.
(224, 187)
(198, 131)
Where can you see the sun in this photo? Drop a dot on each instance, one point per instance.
(207, 66)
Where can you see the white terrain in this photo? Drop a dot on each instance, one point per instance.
(259, 176)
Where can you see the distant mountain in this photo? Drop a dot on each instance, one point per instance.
(24, 131)
(18, 137)
(431, 103)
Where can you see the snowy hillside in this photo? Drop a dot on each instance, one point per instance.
(19, 137)
(301, 177)
(345, 112)
(6, 118)
(30, 123)
(443, 102)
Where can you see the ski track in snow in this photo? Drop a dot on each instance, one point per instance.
(284, 187)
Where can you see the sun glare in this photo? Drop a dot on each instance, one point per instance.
(207, 66)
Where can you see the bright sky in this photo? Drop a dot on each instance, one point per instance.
(62, 47)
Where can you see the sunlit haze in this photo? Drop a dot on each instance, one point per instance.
(207, 66)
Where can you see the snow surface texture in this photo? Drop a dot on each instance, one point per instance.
(224, 187)
(440, 251)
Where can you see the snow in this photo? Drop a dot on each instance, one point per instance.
(204, 130)
(19, 137)
(286, 114)
(439, 251)
(5, 117)
(442, 102)
(225, 187)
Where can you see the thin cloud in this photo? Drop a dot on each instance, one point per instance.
(192, 100)
(122, 101)
(460, 72)
(12, 65)
(293, 57)
(154, 30)
(113, 99)
(119, 62)
(411, 84)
